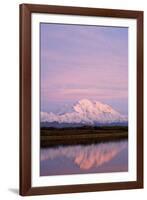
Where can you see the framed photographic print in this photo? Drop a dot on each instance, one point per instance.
(81, 99)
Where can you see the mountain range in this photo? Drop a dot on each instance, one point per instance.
(84, 113)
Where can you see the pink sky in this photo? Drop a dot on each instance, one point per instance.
(83, 62)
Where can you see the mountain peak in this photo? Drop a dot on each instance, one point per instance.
(84, 101)
(86, 112)
(83, 105)
(86, 105)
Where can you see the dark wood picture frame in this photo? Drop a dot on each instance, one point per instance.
(25, 99)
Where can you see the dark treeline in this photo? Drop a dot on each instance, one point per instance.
(123, 128)
(81, 135)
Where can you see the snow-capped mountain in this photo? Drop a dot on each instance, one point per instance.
(85, 112)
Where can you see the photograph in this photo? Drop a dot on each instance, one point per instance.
(83, 99)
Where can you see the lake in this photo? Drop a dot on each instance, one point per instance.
(103, 157)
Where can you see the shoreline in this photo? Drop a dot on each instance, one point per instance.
(50, 137)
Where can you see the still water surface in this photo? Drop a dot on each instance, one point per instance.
(83, 159)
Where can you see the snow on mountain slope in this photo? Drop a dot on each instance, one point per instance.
(86, 112)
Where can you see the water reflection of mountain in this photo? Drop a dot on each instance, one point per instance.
(85, 156)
